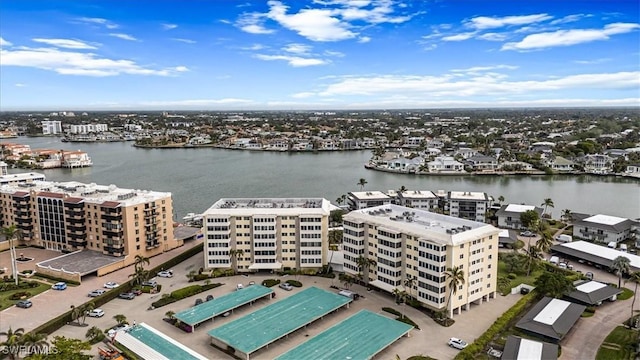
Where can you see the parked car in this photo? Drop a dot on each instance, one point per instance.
(150, 283)
(137, 292)
(95, 313)
(589, 275)
(25, 304)
(59, 286)
(286, 286)
(111, 285)
(457, 343)
(127, 296)
(166, 273)
(239, 287)
(527, 233)
(97, 292)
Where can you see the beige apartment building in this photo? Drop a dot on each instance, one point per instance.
(70, 216)
(266, 234)
(407, 243)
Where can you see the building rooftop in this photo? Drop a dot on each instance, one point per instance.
(20, 177)
(90, 193)
(599, 254)
(468, 195)
(605, 219)
(269, 205)
(519, 208)
(149, 343)
(83, 262)
(436, 227)
(518, 348)
(360, 336)
(551, 318)
(368, 195)
(593, 292)
(418, 194)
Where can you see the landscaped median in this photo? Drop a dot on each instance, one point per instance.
(183, 293)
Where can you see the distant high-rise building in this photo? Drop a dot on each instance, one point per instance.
(51, 127)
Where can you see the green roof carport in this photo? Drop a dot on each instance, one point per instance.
(227, 302)
(359, 337)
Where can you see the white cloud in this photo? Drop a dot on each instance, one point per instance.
(294, 61)
(486, 22)
(569, 37)
(4, 42)
(123, 36)
(303, 95)
(77, 63)
(364, 39)
(65, 43)
(459, 37)
(313, 24)
(186, 41)
(253, 23)
(333, 53)
(295, 48)
(476, 69)
(569, 19)
(256, 29)
(591, 62)
(254, 47)
(98, 21)
(169, 26)
(20, 85)
(493, 37)
(472, 84)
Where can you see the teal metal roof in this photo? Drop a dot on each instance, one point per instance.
(224, 303)
(264, 326)
(359, 337)
(161, 343)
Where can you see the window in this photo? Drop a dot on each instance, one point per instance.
(461, 256)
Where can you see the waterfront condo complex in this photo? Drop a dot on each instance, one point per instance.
(70, 216)
(266, 234)
(403, 244)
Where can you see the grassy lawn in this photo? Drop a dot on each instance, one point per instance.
(618, 345)
(5, 302)
(626, 294)
(520, 279)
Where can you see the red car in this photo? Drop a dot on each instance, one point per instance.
(137, 291)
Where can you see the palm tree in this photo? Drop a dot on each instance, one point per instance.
(191, 275)
(234, 253)
(533, 254)
(500, 200)
(545, 241)
(75, 313)
(410, 282)
(402, 189)
(396, 292)
(93, 334)
(621, 266)
(120, 319)
(362, 182)
(33, 341)
(169, 314)
(140, 261)
(635, 278)
(12, 341)
(547, 204)
(364, 265)
(11, 233)
(455, 277)
(84, 310)
(347, 280)
(566, 215)
(339, 201)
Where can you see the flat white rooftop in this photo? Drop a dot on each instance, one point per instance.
(418, 194)
(439, 228)
(20, 177)
(550, 314)
(467, 195)
(368, 195)
(91, 193)
(529, 350)
(519, 208)
(504, 233)
(253, 206)
(602, 251)
(604, 219)
(590, 286)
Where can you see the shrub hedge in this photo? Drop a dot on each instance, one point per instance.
(392, 311)
(56, 279)
(8, 286)
(271, 282)
(294, 283)
(183, 293)
(477, 347)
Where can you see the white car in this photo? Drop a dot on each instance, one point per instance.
(166, 274)
(95, 313)
(457, 343)
(111, 285)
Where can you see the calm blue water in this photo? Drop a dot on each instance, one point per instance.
(199, 177)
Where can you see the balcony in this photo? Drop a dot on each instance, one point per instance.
(77, 243)
(77, 228)
(112, 217)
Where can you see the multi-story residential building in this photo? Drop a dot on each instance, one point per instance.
(20, 177)
(88, 128)
(3, 168)
(605, 228)
(597, 163)
(266, 234)
(418, 199)
(71, 216)
(482, 163)
(365, 199)
(51, 127)
(509, 215)
(468, 205)
(404, 244)
(445, 164)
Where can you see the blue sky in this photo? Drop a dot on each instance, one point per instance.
(319, 54)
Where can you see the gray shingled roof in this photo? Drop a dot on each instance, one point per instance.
(559, 328)
(593, 297)
(512, 350)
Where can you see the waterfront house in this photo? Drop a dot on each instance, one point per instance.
(445, 164)
(413, 141)
(466, 153)
(558, 163)
(597, 163)
(432, 152)
(605, 229)
(405, 164)
(75, 159)
(482, 163)
(516, 165)
(633, 170)
(509, 215)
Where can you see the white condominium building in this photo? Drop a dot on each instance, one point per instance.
(403, 243)
(266, 234)
(51, 127)
(365, 199)
(468, 205)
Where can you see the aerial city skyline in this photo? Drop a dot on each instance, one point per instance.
(332, 54)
